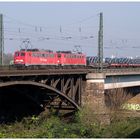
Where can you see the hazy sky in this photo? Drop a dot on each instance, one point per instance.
(63, 25)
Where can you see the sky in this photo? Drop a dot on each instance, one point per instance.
(72, 26)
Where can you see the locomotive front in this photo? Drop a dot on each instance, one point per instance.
(19, 58)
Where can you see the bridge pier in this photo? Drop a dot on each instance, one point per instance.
(94, 92)
(94, 99)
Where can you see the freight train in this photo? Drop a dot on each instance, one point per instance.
(44, 58)
(115, 62)
(40, 58)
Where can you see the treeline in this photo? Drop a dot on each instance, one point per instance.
(7, 58)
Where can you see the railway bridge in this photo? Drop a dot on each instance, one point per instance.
(65, 88)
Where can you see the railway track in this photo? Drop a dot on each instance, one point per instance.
(42, 72)
(11, 71)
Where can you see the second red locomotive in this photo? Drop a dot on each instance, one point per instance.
(35, 57)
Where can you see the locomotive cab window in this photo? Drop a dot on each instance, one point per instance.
(16, 54)
(59, 55)
(46, 55)
(22, 54)
(52, 55)
(43, 55)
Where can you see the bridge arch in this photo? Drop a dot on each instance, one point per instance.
(12, 83)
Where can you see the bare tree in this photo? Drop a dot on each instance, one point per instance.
(8, 58)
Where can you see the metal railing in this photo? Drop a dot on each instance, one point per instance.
(93, 70)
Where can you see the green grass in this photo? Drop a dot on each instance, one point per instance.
(53, 127)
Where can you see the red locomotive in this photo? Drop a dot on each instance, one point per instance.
(35, 57)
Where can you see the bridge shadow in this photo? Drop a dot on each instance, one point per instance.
(21, 99)
(135, 134)
(15, 106)
(116, 97)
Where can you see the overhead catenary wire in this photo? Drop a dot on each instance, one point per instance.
(73, 32)
(41, 27)
(33, 25)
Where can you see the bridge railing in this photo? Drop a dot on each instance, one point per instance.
(116, 70)
(94, 70)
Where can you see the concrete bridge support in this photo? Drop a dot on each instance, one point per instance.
(94, 92)
(94, 97)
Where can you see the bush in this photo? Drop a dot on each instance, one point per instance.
(86, 125)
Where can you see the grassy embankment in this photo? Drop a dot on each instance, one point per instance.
(86, 124)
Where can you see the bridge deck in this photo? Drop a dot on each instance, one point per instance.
(41, 72)
(27, 72)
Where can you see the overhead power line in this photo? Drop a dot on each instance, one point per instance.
(33, 25)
